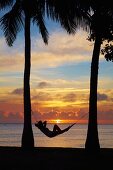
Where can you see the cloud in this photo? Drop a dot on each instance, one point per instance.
(102, 97)
(43, 84)
(12, 61)
(17, 117)
(18, 91)
(76, 83)
(63, 49)
(107, 94)
(56, 114)
(42, 96)
(67, 44)
(11, 117)
(71, 97)
(70, 49)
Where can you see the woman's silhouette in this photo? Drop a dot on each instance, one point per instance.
(56, 130)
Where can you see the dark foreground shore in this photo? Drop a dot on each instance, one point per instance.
(14, 158)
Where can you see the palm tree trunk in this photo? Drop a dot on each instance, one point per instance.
(92, 140)
(27, 136)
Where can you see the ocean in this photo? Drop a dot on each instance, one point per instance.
(10, 135)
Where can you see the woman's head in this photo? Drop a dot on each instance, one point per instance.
(39, 124)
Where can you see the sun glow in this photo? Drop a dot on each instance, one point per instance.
(55, 121)
(58, 121)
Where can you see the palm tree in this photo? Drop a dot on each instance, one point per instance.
(24, 12)
(82, 14)
(21, 14)
(96, 18)
(101, 30)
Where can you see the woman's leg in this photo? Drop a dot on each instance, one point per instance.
(56, 128)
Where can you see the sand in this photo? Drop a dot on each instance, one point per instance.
(15, 158)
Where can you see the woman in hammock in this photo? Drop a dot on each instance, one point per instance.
(56, 130)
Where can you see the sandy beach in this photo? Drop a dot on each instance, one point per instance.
(14, 158)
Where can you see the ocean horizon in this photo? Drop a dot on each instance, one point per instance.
(11, 133)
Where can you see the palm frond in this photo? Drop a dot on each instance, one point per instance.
(39, 20)
(41, 4)
(71, 14)
(68, 24)
(11, 23)
(59, 11)
(5, 3)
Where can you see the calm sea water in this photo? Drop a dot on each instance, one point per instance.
(10, 135)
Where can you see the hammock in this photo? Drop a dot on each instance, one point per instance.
(56, 130)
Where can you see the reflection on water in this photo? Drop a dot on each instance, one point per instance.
(10, 135)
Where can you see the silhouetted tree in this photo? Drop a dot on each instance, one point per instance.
(21, 14)
(101, 30)
(94, 17)
(81, 15)
(24, 12)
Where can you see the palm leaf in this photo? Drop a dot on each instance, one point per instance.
(39, 20)
(5, 3)
(41, 5)
(11, 23)
(71, 14)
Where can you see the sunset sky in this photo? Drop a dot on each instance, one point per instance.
(60, 77)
